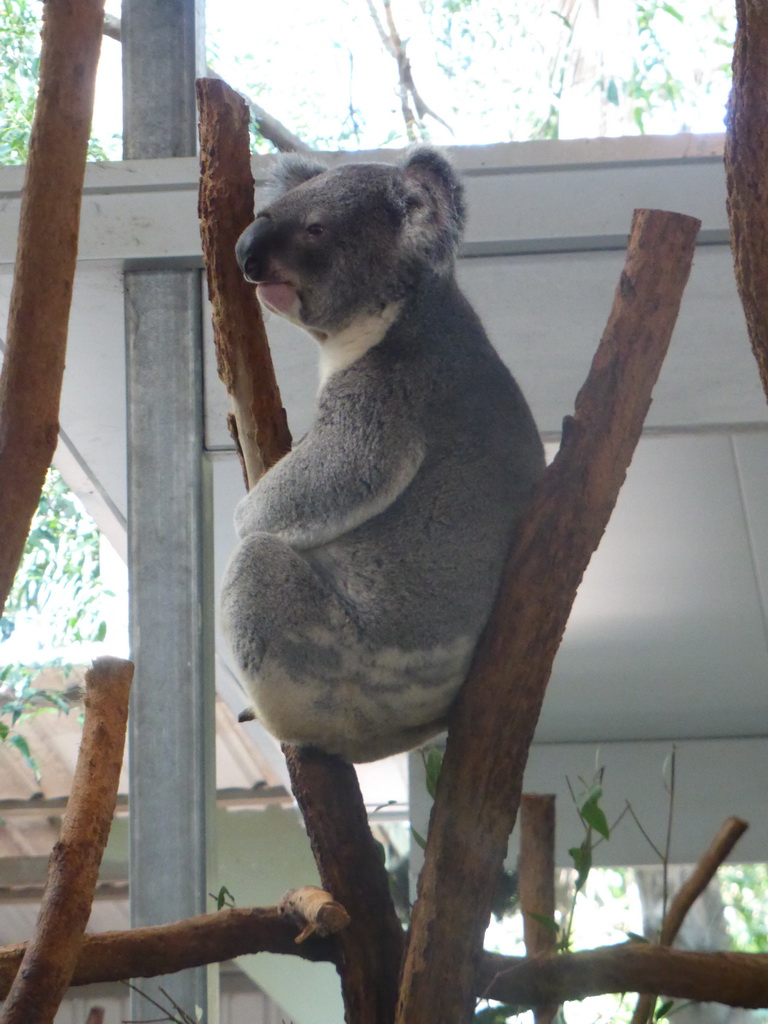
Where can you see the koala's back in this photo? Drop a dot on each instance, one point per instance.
(423, 574)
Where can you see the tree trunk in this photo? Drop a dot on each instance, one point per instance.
(746, 164)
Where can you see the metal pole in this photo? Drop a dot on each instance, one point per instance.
(171, 730)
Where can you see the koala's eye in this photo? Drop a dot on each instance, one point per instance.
(315, 230)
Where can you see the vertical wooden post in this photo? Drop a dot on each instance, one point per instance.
(536, 881)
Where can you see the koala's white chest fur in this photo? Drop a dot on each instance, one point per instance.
(338, 351)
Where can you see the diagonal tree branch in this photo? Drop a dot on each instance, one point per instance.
(32, 372)
(731, 831)
(49, 959)
(733, 979)
(167, 948)
(493, 723)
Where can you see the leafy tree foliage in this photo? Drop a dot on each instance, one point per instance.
(484, 72)
(20, 22)
(58, 592)
(20, 46)
(59, 574)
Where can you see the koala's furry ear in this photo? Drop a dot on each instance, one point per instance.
(291, 170)
(437, 211)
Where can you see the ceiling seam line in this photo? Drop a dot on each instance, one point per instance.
(761, 595)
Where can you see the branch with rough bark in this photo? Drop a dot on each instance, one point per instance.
(326, 788)
(225, 210)
(194, 942)
(49, 959)
(746, 164)
(734, 979)
(480, 783)
(33, 369)
(731, 831)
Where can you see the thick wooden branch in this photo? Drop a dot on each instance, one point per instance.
(50, 958)
(736, 979)
(731, 831)
(746, 164)
(165, 949)
(351, 868)
(493, 724)
(326, 788)
(30, 382)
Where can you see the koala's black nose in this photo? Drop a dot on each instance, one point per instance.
(252, 250)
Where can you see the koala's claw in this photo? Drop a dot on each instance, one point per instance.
(247, 715)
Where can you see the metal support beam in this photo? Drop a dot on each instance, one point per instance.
(172, 785)
(163, 53)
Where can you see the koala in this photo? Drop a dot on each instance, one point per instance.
(370, 556)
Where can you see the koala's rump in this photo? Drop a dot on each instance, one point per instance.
(321, 675)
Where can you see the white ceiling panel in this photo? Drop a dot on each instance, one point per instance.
(546, 314)
(667, 637)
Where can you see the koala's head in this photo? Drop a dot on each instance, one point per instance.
(333, 245)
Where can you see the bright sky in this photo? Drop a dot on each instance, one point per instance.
(307, 62)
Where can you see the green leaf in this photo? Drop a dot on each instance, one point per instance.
(4, 730)
(420, 840)
(224, 898)
(22, 746)
(612, 93)
(582, 861)
(634, 937)
(594, 815)
(433, 762)
(673, 12)
(548, 922)
(664, 1009)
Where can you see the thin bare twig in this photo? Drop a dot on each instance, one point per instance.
(647, 838)
(668, 839)
(396, 48)
(182, 1018)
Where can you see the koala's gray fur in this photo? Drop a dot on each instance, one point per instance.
(371, 554)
